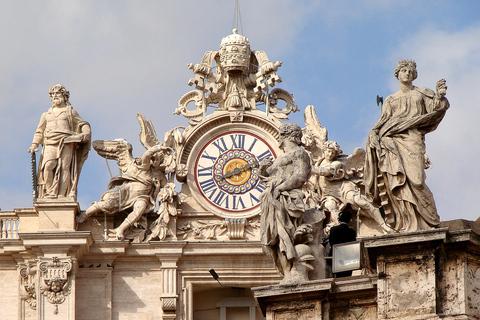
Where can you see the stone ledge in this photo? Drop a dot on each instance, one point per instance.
(60, 238)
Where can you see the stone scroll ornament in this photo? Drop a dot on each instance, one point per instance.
(290, 229)
(55, 283)
(135, 191)
(337, 179)
(396, 159)
(65, 140)
(28, 278)
(235, 79)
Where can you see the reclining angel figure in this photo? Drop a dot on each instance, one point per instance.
(141, 179)
(337, 179)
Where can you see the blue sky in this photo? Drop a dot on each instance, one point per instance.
(118, 58)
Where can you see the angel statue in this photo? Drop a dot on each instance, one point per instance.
(338, 176)
(336, 179)
(136, 189)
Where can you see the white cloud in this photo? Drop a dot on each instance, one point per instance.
(117, 58)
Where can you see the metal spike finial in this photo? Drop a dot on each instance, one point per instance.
(237, 18)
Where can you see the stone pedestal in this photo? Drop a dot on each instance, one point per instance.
(55, 271)
(56, 215)
(432, 274)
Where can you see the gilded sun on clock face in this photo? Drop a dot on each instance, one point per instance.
(226, 171)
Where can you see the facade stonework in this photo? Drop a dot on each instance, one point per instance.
(233, 215)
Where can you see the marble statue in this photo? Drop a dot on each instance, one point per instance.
(396, 158)
(236, 78)
(337, 180)
(284, 234)
(136, 190)
(65, 140)
(169, 202)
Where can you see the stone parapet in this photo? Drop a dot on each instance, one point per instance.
(433, 274)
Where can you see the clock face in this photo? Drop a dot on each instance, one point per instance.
(226, 172)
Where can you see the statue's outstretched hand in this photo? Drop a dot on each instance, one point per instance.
(441, 88)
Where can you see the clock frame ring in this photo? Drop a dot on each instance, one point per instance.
(237, 168)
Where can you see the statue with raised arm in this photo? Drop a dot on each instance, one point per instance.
(285, 232)
(65, 140)
(135, 190)
(396, 158)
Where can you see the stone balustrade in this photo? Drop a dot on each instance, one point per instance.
(9, 224)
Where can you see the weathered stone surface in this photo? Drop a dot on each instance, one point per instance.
(65, 140)
(396, 158)
(430, 274)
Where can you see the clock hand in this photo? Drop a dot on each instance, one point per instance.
(240, 169)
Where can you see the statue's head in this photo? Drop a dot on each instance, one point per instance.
(56, 284)
(331, 146)
(412, 65)
(58, 88)
(292, 132)
(235, 52)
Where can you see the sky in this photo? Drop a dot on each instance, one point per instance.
(118, 58)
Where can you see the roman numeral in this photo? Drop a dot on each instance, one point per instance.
(219, 200)
(251, 146)
(237, 201)
(202, 171)
(253, 198)
(207, 185)
(222, 147)
(267, 153)
(260, 187)
(238, 141)
(206, 156)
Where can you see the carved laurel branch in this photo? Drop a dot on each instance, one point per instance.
(210, 230)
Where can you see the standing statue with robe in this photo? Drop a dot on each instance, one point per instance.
(65, 140)
(396, 158)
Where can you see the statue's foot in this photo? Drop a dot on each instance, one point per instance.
(81, 217)
(386, 228)
(118, 235)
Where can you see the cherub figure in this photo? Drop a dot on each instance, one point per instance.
(337, 174)
(136, 189)
(55, 290)
(336, 179)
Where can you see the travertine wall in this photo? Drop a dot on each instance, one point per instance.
(423, 275)
(9, 289)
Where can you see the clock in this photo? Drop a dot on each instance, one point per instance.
(226, 171)
(223, 168)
